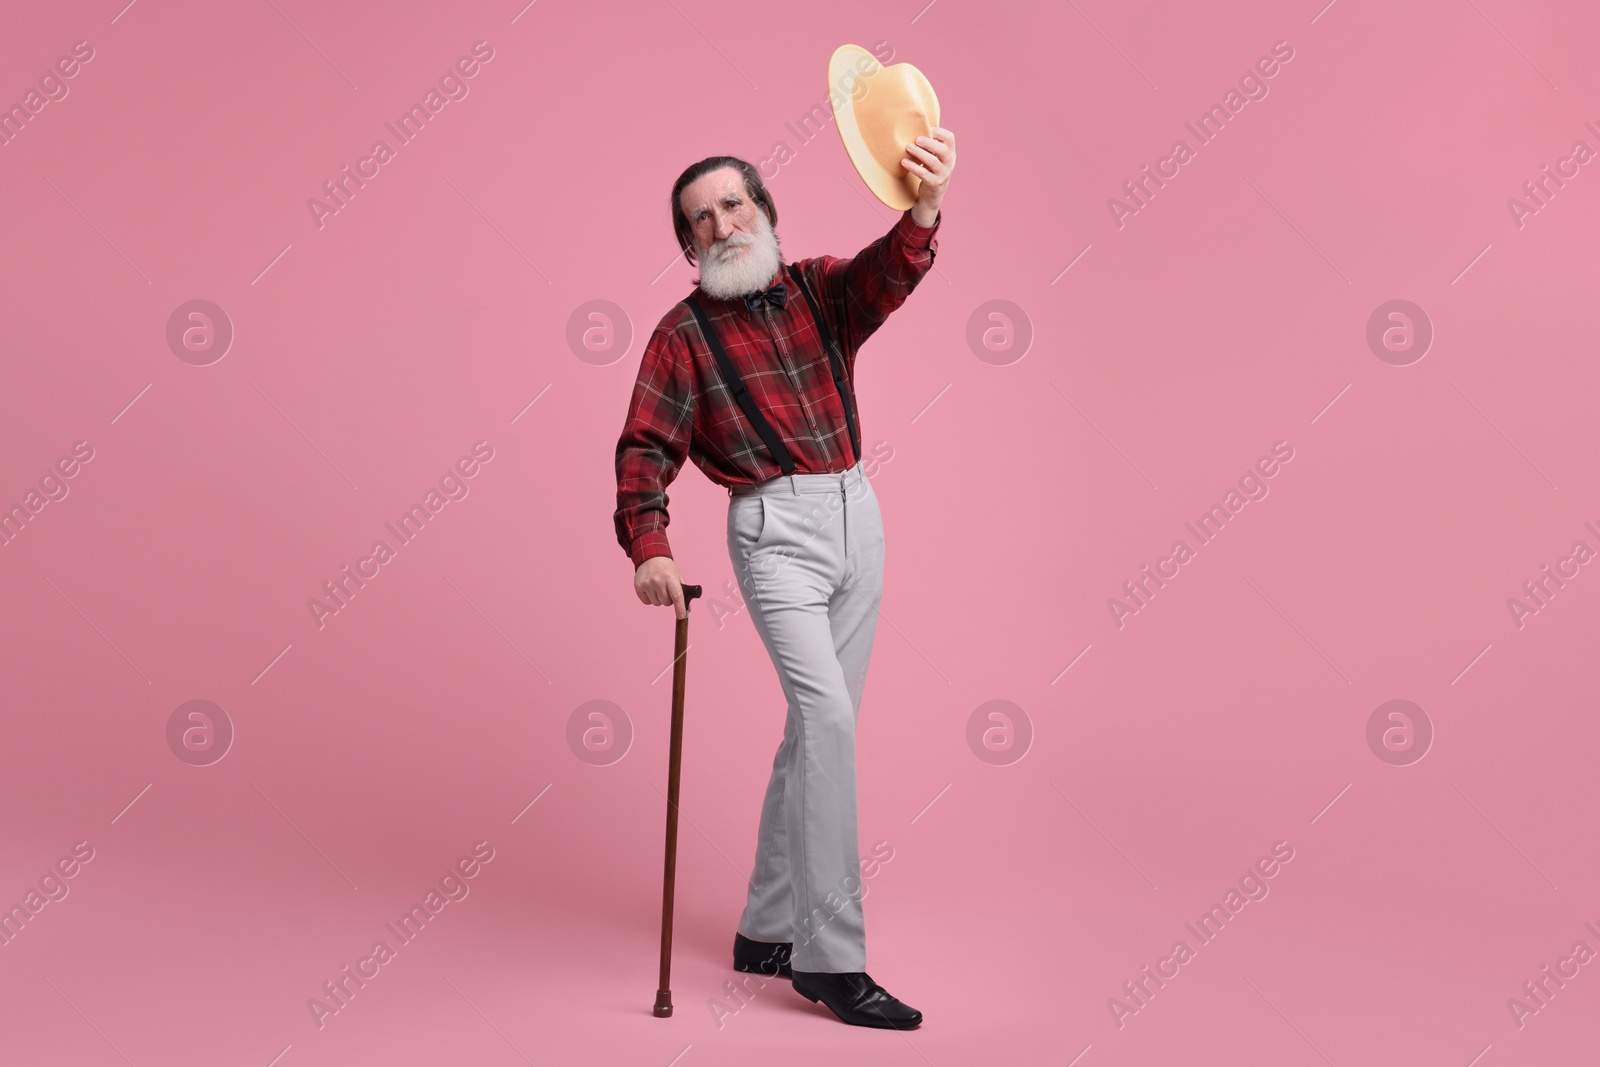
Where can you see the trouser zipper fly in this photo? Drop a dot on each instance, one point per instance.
(844, 506)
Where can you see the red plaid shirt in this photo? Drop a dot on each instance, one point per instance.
(682, 408)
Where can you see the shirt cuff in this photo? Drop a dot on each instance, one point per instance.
(650, 543)
(918, 236)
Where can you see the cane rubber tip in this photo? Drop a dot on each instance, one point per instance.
(663, 1008)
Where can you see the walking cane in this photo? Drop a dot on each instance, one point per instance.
(663, 1007)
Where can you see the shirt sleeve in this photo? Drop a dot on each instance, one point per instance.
(879, 278)
(654, 444)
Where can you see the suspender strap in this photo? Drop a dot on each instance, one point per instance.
(741, 392)
(835, 361)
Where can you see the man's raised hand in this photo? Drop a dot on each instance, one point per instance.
(931, 158)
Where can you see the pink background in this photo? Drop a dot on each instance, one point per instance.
(1024, 488)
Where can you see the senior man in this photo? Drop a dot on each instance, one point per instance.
(752, 377)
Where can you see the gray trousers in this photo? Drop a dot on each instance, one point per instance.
(807, 550)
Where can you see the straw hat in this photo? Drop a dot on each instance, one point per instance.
(891, 109)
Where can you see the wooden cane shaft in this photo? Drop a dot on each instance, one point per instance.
(663, 1006)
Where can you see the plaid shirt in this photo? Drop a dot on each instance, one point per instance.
(682, 408)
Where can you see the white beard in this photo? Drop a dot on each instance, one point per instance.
(727, 273)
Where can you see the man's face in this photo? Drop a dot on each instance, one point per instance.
(734, 243)
(717, 207)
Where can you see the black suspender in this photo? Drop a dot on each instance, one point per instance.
(747, 402)
(741, 392)
(835, 361)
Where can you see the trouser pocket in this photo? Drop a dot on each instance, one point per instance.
(747, 519)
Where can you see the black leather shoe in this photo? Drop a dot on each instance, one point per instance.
(761, 957)
(856, 998)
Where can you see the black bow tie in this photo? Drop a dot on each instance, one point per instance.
(774, 296)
